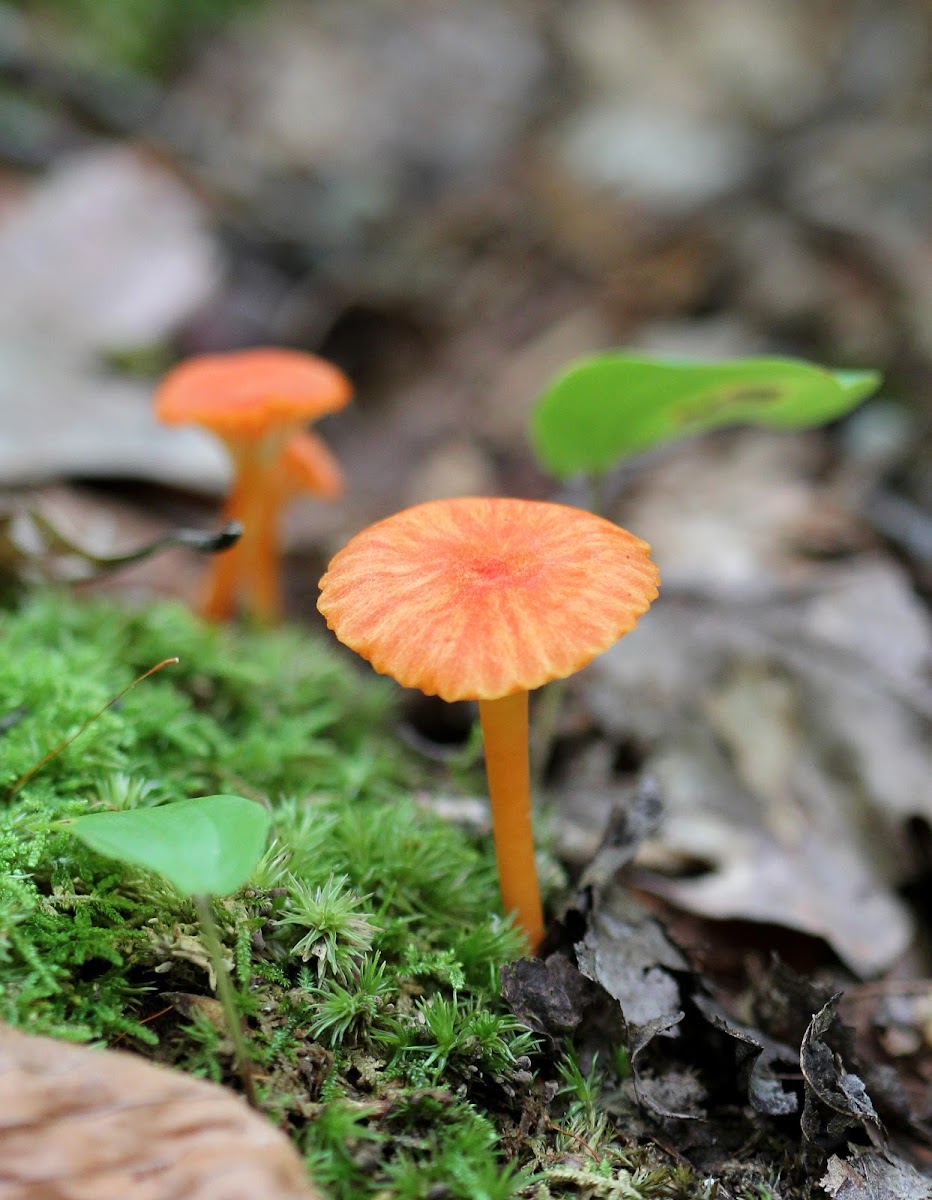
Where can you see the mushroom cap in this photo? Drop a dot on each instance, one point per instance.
(249, 392)
(308, 466)
(473, 599)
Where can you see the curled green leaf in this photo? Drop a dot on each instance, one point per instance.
(604, 409)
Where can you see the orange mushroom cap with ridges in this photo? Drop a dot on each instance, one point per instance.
(473, 599)
(248, 392)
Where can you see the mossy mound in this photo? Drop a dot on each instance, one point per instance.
(367, 947)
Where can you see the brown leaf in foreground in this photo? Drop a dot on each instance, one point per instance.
(82, 1124)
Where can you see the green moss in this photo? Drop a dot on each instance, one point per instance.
(367, 947)
(146, 36)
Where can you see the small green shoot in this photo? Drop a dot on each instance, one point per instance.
(335, 928)
(607, 408)
(346, 1008)
(206, 846)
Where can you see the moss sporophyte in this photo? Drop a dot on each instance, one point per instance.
(257, 402)
(484, 599)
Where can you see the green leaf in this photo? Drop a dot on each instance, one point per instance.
(858, 385)
(205, 846)
(607, 408)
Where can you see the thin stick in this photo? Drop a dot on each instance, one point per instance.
(576, 1138)
(193, 539)
(24, 779)
(227, 997)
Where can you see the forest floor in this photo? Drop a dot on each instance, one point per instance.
(735, 809)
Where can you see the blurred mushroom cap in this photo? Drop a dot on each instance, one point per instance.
(247, 393)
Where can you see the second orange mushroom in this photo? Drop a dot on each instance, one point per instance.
(257, 402)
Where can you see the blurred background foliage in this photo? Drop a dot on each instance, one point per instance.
(151, 37)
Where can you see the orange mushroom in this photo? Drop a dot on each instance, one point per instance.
(257, 402)
(485, 599)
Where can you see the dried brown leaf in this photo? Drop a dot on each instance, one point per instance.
(790, 758)
(83, 1124)
(836, 1098)
(551, 997)
(871, 1176)
(760, 1060)
(62, 416)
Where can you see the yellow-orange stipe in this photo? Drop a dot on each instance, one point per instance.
(504, 734)
(484, 599)
(257, 401)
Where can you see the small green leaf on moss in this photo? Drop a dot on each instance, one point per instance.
(208, 845)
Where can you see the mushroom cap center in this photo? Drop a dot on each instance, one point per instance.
(496, 569)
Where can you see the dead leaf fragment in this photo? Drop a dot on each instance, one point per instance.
(629, 825)
(757, 495)
(836, 1098)
(870, 1176)
(62, 415)
(760, 1060)
(551, 997)
(626, 951)
(675, 1095)
(82, 1124)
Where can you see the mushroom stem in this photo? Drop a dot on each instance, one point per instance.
(249, 573)
(505, 737)
(265, 578)
(218, 602)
